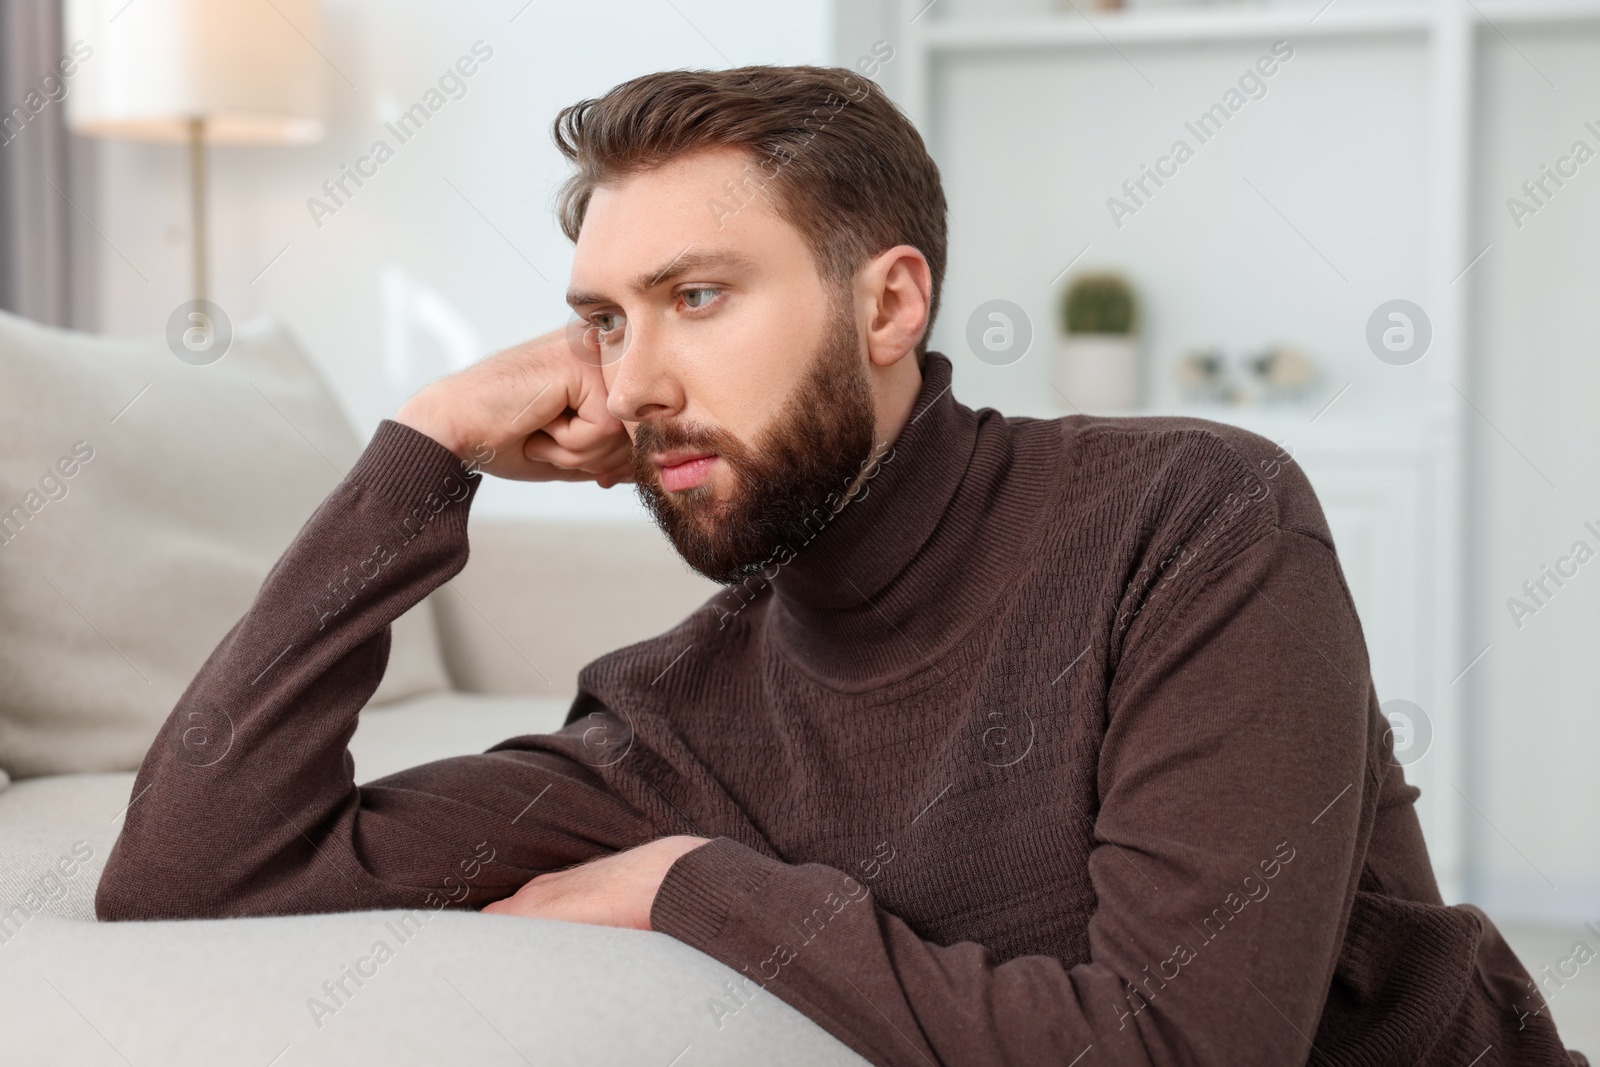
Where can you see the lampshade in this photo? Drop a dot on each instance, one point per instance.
(252, 70)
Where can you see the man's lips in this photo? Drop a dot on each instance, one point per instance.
(682, 469)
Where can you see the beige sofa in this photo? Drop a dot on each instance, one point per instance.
(118, 578)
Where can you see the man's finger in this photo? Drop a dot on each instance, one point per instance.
(542, 449)
(583, 435)
(541, 399)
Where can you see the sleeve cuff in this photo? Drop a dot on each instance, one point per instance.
(702, 887)
(404, 466)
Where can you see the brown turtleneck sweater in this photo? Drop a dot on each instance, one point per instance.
(1058, 745)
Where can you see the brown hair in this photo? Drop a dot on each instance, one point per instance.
(847, 168)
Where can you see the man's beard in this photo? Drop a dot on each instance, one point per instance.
(806, 459)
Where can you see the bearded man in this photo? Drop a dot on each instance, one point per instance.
(1010, 740)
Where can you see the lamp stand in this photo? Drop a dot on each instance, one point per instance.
(197, 202)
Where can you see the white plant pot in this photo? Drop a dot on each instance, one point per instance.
(1100, 370)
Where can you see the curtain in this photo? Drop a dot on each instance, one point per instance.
(48, 244)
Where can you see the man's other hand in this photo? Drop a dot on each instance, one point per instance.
(533, 412)
(616, 890)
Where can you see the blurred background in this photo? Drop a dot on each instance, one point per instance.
(1368, 231)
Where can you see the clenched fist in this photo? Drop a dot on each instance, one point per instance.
(533, 412)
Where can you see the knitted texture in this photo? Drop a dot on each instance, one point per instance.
(1057, 740)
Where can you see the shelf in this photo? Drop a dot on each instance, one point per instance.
(1534, 12)
(1168, 27)
(1182, 26)
(1294, 424)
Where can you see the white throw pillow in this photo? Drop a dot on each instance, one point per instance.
(143, 500)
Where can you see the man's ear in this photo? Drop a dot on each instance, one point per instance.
(894, 290)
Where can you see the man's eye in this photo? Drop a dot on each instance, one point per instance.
(698, 298)
(607, 328)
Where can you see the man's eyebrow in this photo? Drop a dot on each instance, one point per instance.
(679, 265)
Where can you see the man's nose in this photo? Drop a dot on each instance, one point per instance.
(641, 383)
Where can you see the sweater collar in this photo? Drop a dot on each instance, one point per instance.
(910, 564)
(869, 541)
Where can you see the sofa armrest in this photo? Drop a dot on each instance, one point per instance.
(538, 600)
(400, 988)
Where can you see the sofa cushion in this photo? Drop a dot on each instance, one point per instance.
(508, 622)
(57, 830)
(142, 502)
(439, 725)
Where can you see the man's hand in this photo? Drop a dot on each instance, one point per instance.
(534, 412)
(617, 890)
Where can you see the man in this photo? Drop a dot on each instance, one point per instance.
(1010, 740)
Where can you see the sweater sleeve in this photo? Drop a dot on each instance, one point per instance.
(1234, 790)
(246, 802)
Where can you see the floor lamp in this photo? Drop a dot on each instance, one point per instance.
(234, 72)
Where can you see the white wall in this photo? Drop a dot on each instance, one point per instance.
(1537, 365)
(472, 282)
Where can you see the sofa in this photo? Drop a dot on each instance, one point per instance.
(143, 498)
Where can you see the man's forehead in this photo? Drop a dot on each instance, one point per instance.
(679, 187)
(650, 228)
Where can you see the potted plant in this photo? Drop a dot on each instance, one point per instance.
(1099, 352)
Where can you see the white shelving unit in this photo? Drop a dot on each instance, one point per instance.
(929, 34)
(1395, 499)
(1161, 27)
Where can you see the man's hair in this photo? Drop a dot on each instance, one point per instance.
(843, 165)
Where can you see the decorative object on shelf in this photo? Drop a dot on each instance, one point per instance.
(1283, 373)
(1099, 349)
(1204, 378)
(1275, 374)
